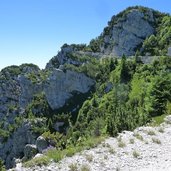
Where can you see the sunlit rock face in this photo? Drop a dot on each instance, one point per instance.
(128, 33)
(60, 86)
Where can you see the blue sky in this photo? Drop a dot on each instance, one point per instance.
(32, 31)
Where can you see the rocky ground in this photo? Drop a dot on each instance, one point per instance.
(144, 149)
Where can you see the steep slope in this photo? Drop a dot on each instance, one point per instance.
(144, 149)
(27, 93)
(83, 92)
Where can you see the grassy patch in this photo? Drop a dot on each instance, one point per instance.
(156, 140)
(138, 136)
(157, 120)
(85, 168)
(151, 132)
(121, 144)
(89, 157)
(73, 167)
(40, 161)
(57, 155)
(131, 141)
(111, 151)
(136, 154)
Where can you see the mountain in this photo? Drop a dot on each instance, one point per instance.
(120, 81)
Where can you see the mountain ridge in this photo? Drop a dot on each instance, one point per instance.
(85, 90)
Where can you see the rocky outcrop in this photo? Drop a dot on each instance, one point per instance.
(30, 150)
(65, 56)
(128, 33)
(169, 51)
(60, 86)
(41, 144)
(28, 90)
(18, 87)
(14, 146)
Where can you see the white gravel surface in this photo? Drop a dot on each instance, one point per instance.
(142, 152)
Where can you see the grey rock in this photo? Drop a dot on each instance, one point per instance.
(109, 87)
(28, 89)
(57, 125)
(60, 86)
(41, 144)
(128, 33)
(63, 57)
(30, 150)
(14, 146)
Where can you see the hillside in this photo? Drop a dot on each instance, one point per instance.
(118, 82)
(144, 149)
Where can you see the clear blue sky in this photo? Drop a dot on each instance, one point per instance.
(32, 31)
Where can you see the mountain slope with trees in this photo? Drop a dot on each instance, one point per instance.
(88, 91)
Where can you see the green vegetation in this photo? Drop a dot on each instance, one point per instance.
(85, 167)
(156, 140)
(158, 44)
(151, 132)
(157, 120)
(73, 167)
(139, 137)
(136, 154)
(2, 167)
(127, 95)
(57, 154)
(131, 141)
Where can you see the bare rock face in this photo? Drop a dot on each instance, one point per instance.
(28, 90)
(60, 86)
(128, 33)
(14, 146)
(30, 150)
(41, 144)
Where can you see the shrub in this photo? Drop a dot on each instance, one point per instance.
(85, 168)
(2, 167)
(73, 167)
(89, 157)
(151, 132)
(138, 136)
(131, 141)
(111, 150)
(156, 140)
(40, 161)
(121, 144)
(161, 130)
(136, 154)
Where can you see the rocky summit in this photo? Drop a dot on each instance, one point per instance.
(120, 81)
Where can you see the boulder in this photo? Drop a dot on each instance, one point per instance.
(57, 125)
(169, 51)
(41, 144)
(30, 151)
